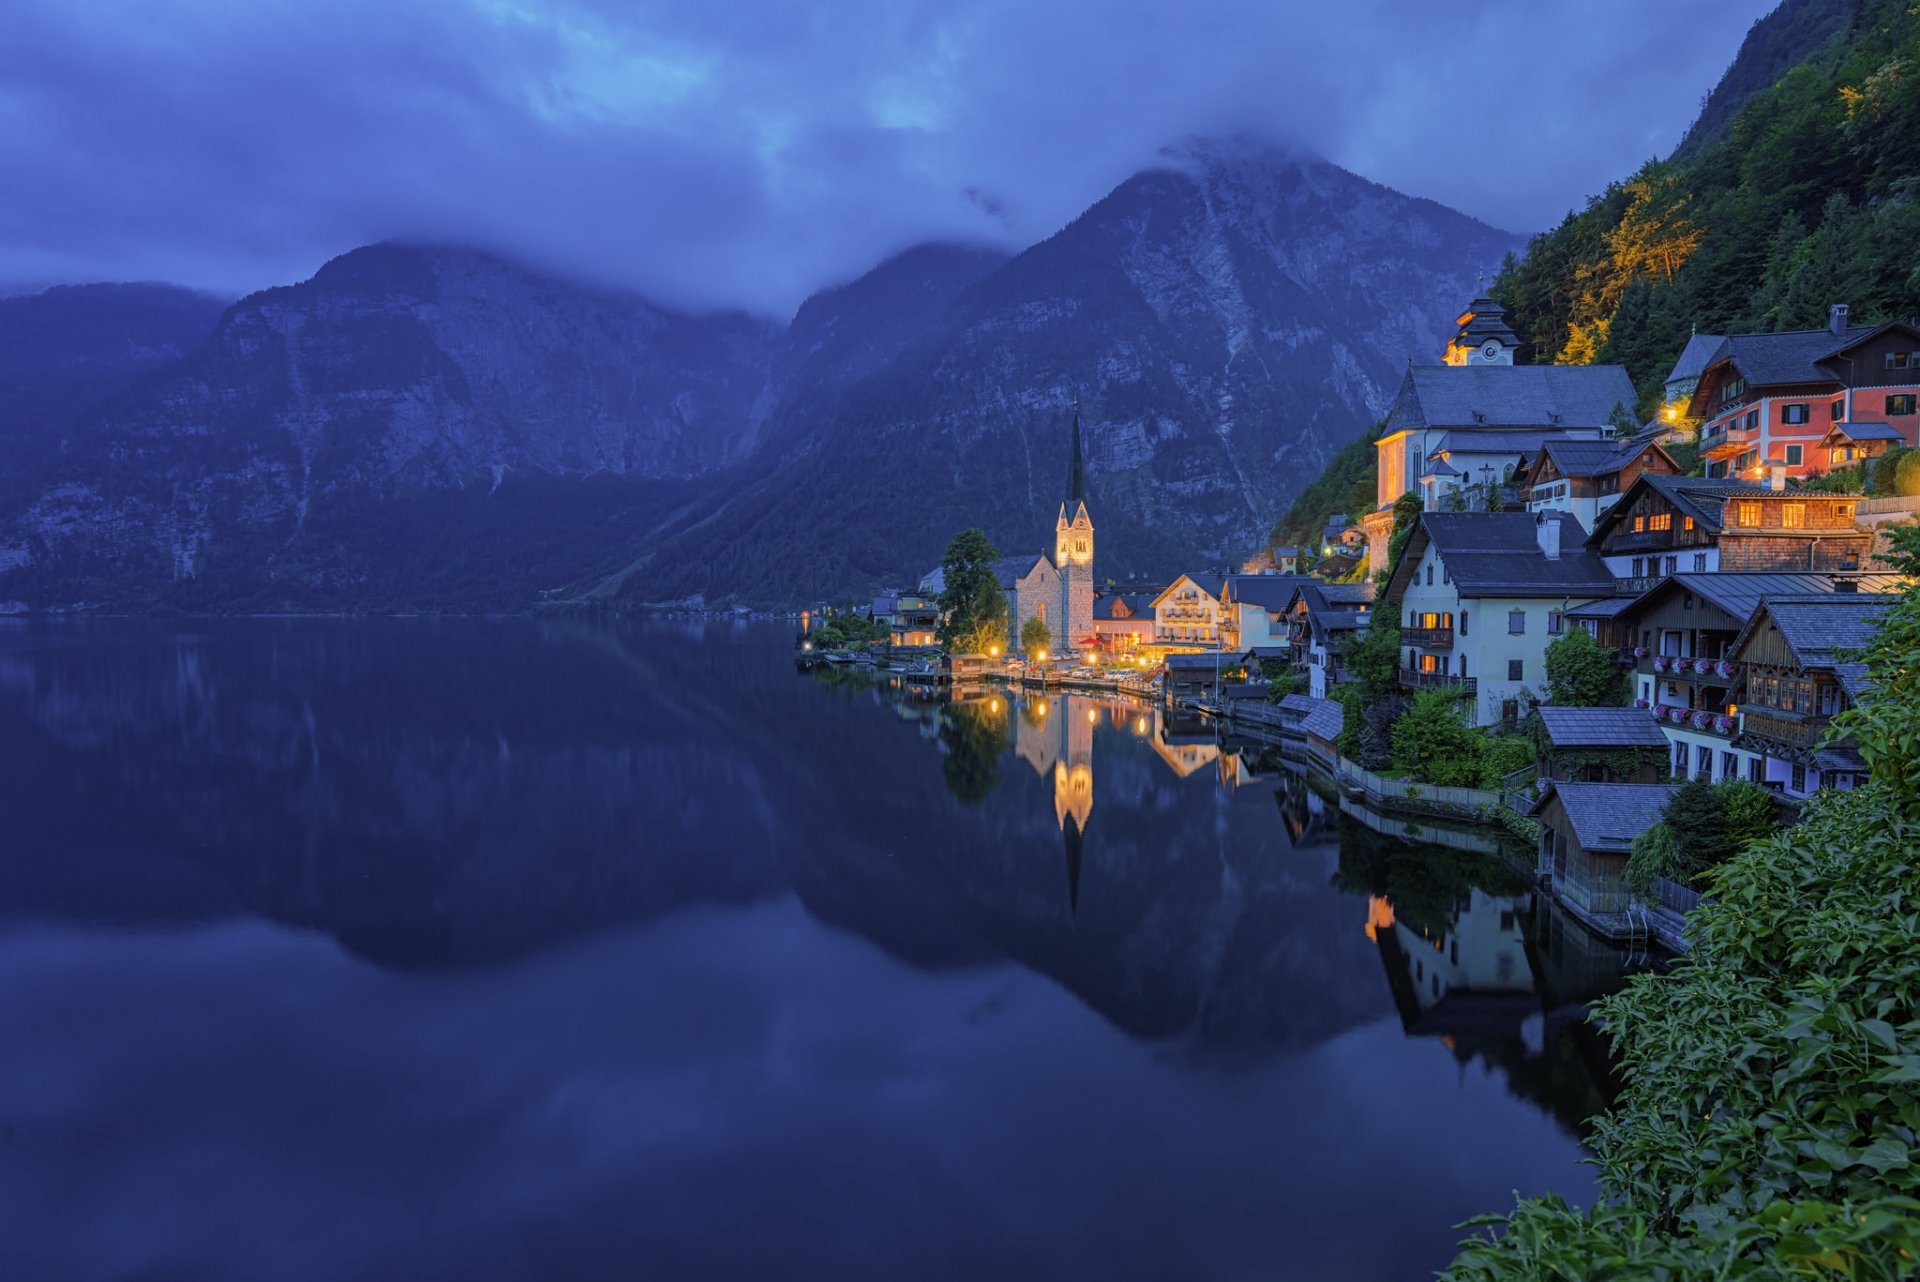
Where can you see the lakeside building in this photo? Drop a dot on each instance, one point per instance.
(1676, 524)
(1320, 618)
(1588, 477)
(1600, 745)
(1253, 609)
(1123, 621)
(1031, 586)
(1586, 834)
(914, 620)
(1457, 432)
(1481, 596)
(1187, 611)
(1800, 399)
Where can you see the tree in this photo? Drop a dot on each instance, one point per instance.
(1581, 673)
(1768, 1120)
(1034, 636)
(1433, 742)
(1697, 816)
(1371, 656)
(973, 612)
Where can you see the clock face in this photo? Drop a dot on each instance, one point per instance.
(1490, 351)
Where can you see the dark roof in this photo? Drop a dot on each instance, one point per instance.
(1606, 608)
(1271, 591)
(1267, 652)
(884, 605)
(1141, 603)
(1740, 594)
(1324, 623)
(1009, 570)
(1593, 458)
(1818, 628)
(1787, 357)
(1318, 595)
(1322, 720)
(1693, 496)
(1496, 396)
(1608, 816)
(1461, 441)
(1498, 554)
(1334, 525)
(1208, 661)
(1695, 356)
(1601, 728)
(1867, 432)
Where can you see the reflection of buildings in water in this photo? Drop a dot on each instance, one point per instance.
(1480, 963)
(1186, 745)
(1303, 811)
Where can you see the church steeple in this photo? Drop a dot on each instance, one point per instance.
(1076, 469)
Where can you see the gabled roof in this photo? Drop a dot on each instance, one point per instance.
(1818, 629)
(1600, 728)
(1738, 594)
(1319, 595)
(1695, 356)
(1595, 458)
(1790, 356)
(1864, 432)
(1206, 661)
(1334, 525)
(1139, 603)
(1009, 570)
(1497, 554)
(1608, 816)
(1320, 718)
(1323, 625)
(1510, 396)
(1270, 591)
(1461, 441)
(883, 605)
(1211, 584)
(1697, 497)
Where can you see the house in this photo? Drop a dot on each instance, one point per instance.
(1320, 616)
(1253, 609)
(1677, 391)
(1850, 444)
(1481, 596)
(1340, 534)
(1586, 834)
(1460, 429)
(914, 621)
(882, 609)
(1587, 477)
(1680, 634)
(1187, 611)
(1770, 400)
(1794, 675)
(1275, 559)
(1197, 676)
(1601, 745)
(1123, 621)
(1682, 524)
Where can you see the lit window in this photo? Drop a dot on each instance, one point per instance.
(1793, 515)
(1843, 511)
(1662, 521)
(1639, 524)
(1749, 514)
(1686, 523)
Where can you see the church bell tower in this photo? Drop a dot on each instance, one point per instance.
(1073, 551)
(1485, 337)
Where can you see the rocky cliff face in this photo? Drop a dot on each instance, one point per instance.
(1228, 319)
(435, 427)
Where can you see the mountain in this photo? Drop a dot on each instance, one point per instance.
(432, 427)
(1799, 187)
(73, 345)
(1227, 318)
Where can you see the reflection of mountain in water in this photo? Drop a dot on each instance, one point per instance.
(438, 794)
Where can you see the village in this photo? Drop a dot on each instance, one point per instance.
(1623, 643)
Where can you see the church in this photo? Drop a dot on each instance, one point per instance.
(1058, 592)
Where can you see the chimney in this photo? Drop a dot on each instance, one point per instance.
(1776, 476)
(1548, 533)
(1837, 320)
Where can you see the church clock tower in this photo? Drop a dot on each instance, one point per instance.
(1485, 337)
(1073, 551)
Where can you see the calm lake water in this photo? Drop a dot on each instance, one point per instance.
(512, 949)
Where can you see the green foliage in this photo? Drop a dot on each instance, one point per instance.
(1844, 480)
(844, 630)
(1653, 855)
(1370, 656)
(1433, 742)
(1581, 673)
(1770, 1123)
(1345, 487)
(1806, 197)
(1895, 474)
(1282, 679)
(1034, 635)
(1697, 815)
(1751, 813)
(1352, 718)
(973, 612)
(1882, 726)
(1501, 755)
(973, 738)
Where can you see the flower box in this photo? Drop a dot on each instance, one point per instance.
(1639, 652)
(1702, 719)
(1723, 723)
(1639, 703)
(1724, 668)
(1659, 663)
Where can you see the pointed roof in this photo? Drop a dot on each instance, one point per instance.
(1695, 355)
(1076, 469)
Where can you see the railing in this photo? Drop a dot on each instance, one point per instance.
(1719, 724)
(1635, 586)
(1797, 729)
(1428, 638)
(1426, 680)
(1688, 668)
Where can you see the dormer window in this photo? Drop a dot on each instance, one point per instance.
(1903, 360)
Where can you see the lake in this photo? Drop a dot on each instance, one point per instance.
(490, 949)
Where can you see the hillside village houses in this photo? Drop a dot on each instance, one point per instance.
(1807, 401)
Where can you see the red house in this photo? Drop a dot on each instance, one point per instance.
(1808, 400)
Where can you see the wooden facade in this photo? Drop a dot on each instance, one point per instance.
(1781, 702)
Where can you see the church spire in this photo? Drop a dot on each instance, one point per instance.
(1076, 470)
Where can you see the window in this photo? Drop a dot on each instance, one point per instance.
(1703, 762)
(1900, 403)
(1646, 691)
(1749, 514)
(1753, 769)
(1443, 575)
(1699, 562)
(1794, 455)
(1793, 515)
(1833, 410)
(1429, 664)
(1753, 419)
(1903, 360)
(1639, 524)
(1639, 567)
(1799, 777)
(1463, 625)
(1663, 521)
(1429, 575)
(1555, 624)
(1672, 564)
(1794, 413)
(1843, 511)
(1679, 761)
(1731, 389)
(1729, 766)
(1516, 622)
(1514, 669)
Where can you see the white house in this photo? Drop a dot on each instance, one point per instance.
(1187, 611)
(1481, 595)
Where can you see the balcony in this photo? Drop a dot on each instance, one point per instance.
(1697, 721)
(1681, 668)
(1427, 680)
(1636, 586)
(1729, 441)
(1795, 729)
(1427, 638)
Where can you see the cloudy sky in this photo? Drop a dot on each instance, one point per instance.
(745, 152)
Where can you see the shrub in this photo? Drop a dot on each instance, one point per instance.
(1581, 673)
(1501, 755)
(1433, 742)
